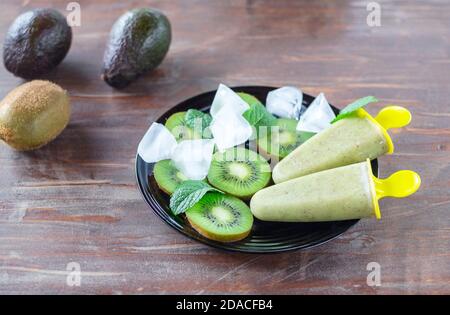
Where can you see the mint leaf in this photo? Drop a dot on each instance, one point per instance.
(351, 108)
(257, 115)
(187, 194)
(195, 119)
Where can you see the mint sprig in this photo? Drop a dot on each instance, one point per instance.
(195, 118)
(353, 107)
(187, 194)
(257, 115)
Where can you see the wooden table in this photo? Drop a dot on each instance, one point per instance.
(76, 199)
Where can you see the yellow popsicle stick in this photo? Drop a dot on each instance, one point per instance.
(393, 117)
(389, 117)
(399, 185)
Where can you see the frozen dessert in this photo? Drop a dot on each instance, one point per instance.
(343, 193)
(347, 141)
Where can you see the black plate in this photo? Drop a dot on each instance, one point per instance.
(265, 237)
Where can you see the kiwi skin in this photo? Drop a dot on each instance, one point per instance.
(214, 237)
(33, 114)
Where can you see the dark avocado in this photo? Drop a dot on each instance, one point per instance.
(138, 43)
(36, 42)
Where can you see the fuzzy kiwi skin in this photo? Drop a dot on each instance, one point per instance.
(36, 42)
(33, 114)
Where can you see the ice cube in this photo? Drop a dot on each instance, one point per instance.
(157, 144)
(317, 117)
(285, 102)
(229, 128)
(193, 157)
(227, 97)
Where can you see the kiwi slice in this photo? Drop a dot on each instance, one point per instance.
(287, 139)
(167, 176)
(221, 217)
(239, 172)
(177, 126)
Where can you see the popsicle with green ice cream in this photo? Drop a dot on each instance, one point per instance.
(343, 193)
(349, 140)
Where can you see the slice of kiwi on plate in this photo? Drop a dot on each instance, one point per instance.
(239, 172)
(177, 126)
(221, 217)
(167, 176)
(287, 139)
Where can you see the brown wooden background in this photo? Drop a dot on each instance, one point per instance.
(76, 199)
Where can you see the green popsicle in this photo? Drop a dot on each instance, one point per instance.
(337, 194)
(342, 193)
(347, 141)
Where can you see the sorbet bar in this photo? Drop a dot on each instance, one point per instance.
(341, 193)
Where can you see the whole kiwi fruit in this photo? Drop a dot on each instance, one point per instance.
(36, 42)
(33, 114)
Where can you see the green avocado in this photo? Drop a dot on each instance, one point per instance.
(138, 43)
(36, 42)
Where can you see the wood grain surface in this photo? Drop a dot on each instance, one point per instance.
(76, 199)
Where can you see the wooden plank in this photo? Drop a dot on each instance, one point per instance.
(75, 200)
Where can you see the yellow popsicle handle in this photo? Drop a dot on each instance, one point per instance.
(393, 117)
(400, 184)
